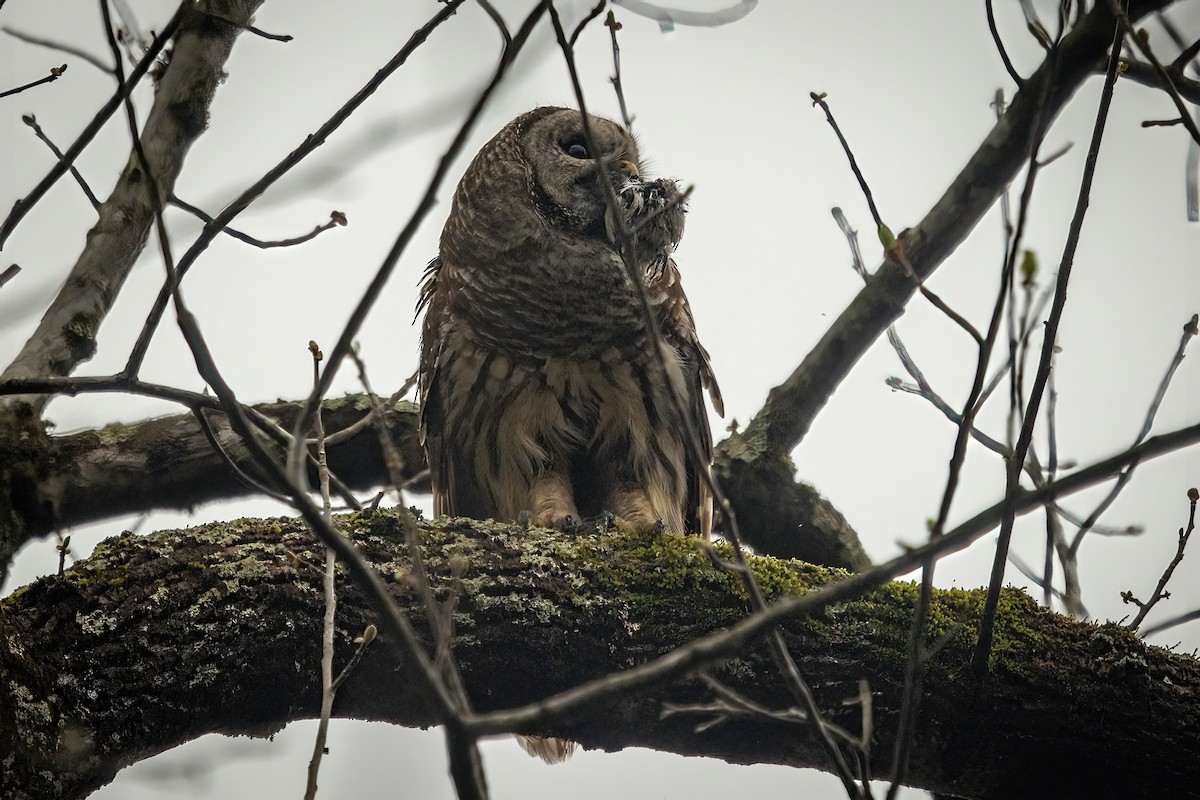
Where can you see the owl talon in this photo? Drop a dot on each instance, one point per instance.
(568, 524)
(604, 521)
(524, 516)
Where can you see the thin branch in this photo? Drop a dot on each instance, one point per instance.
(377, 416)
(368, 635)
(1146, 75)
(491, 11)
(613, 26)
(9, 273)
(1160, 591)
(922, 387)
(274, 37)
(982, 655)
(336, 219)
(243, 201)
(583, 23)
(31, 121)
(23, 205)
(916, 646)
(372, 292)
(627, 241)
(1008, 65)
(55, 74)
(1142, 42)
(60, 46)
(893, 248)
(329, 589)
(371, 416)
(793, 405)
(1184, 58)
(1190, 330)
(220, 450)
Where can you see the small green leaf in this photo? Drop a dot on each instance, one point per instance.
(1029, 267)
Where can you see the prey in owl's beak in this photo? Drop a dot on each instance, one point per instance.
(655, 208)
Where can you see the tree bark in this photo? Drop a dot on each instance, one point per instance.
(158, 639)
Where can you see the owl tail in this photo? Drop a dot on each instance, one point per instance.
(552, 751)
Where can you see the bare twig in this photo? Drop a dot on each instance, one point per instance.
(793, 405)
(391, 456)
(1190, 330)
(915, 667)
(243, 201)
(275, 37)
(9, 273)
(22, 206)
(613, 26)
(64, 549)
(491, 11)
(371, 293)
(363, 641)
(336, 219)
(31, 121)
(371, 416)
(981, 657)
(1160, 591)
(55, 74)
(330, 591)
(60, 46)
(591, 15)
(1142, 42)
(627, 241)
(1008, 65)
(220, 450)
(893, 247)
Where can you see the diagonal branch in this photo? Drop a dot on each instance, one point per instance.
(66, 335)
(792, 406)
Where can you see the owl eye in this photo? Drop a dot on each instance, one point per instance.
(575, 147)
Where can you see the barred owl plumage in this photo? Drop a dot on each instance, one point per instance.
(540, 392)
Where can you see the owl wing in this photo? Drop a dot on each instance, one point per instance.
(433, 357)
(679, 331)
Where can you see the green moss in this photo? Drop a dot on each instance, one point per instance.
(115, 433)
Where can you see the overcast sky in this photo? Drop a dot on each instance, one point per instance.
(766, 269)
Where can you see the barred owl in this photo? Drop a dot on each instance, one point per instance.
(541, 394)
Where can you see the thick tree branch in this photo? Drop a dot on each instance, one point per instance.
(224, 621)
(168, 463)
(791, 407)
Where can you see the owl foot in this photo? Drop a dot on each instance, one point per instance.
(645, 528)
(567, 523)
(604, 521)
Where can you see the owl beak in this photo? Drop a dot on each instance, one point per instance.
(629, 168)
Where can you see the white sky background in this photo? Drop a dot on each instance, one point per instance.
(765, 267)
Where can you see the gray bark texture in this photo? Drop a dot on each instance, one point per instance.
(158, 639)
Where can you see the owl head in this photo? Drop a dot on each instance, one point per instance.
(564, 174)
(539, 179)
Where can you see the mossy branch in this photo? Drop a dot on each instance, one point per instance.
(156, 640)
